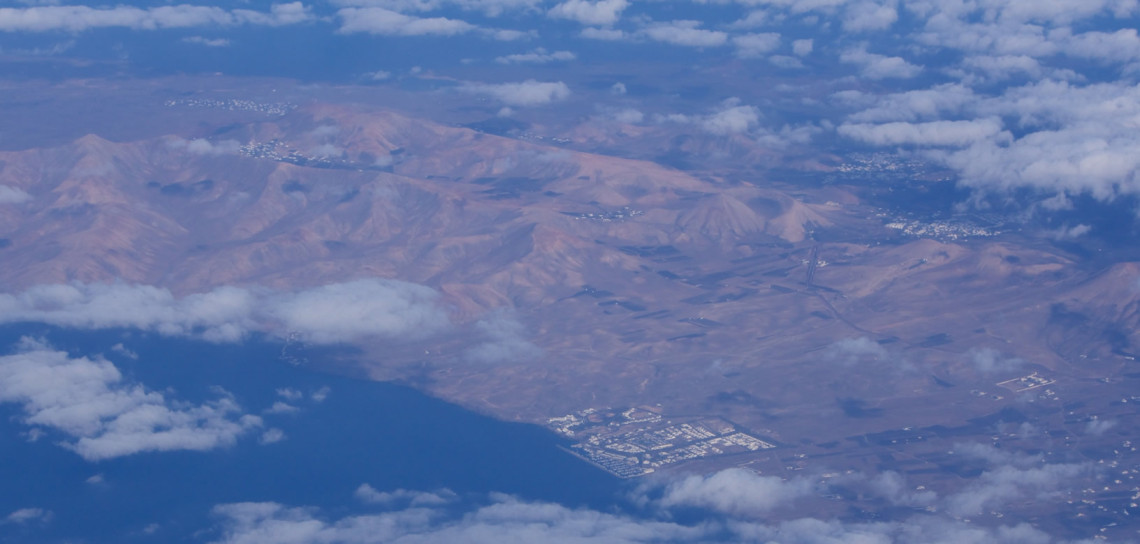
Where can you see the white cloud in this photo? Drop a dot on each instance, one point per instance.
(991, 361)
(1003, 66)
(509, 35)
(279, 15)
(321, 394)
(604, 34)
(104, 417)
(343, 312)
(122, 350)
(629, 116)
(686, 33)
(855, 351)
(1007, 484)
(754, 19)
(80, 18)
(933, 133)
(219, 315)
(282, 408)
(875, 66)
(599, 13)
(732, 117)
(732, 120)
(13, 195)
(538, 56)
(1097, 427)
(492, 8)
(290, 394)
(386, 22)
(271, 436)
(201, 146)
(803, 48)
(735, 491)
(755, 45)
(522, 94)
(326, 150)
(746, 499)
(1074, 140)
(925, 104)
(27, 515)
(333, 313)
(504, 341)
(869, 16)
(1115, 47)
(369, 494)
(208, 42)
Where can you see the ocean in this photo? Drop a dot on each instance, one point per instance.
(386, 435)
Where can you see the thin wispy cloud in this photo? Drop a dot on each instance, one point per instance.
(78, 18)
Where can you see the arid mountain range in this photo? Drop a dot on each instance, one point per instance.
(805, 313)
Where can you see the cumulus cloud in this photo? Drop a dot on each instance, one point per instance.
(875, 66)
(754, 19)
(219, 315)
(374, 20)
(869, 16)
(923, 104)
(369, 494)
(208, 42)
(1010, 476)
(343, 312)
(1008, 483)
(201, 146)
(522, 94)
(271, 436)
(27, 515)
(735, 491)
(933, 133)
(784, 61)
(282, 408)
(599, 13)
(894, 487)
(291, 394)
(504, 340)
(804, 47)
(321, 394)
(1097, 427)
(604, 34)
(854, 351)
(103, 415)
(492, 8)
(686, 33)
(732, 117)
(13, 195)
(1003, 66)
(755, 45)
(731, 120)
(79, 18)
(506, 519)
(629, 116)
(333, 313)
(538, 56)
(1070, 139)
(991, 361)
(410, 516)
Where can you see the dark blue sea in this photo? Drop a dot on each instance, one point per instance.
(386, 435)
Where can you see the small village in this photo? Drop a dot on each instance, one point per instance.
(637, 441)
(234, 104)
